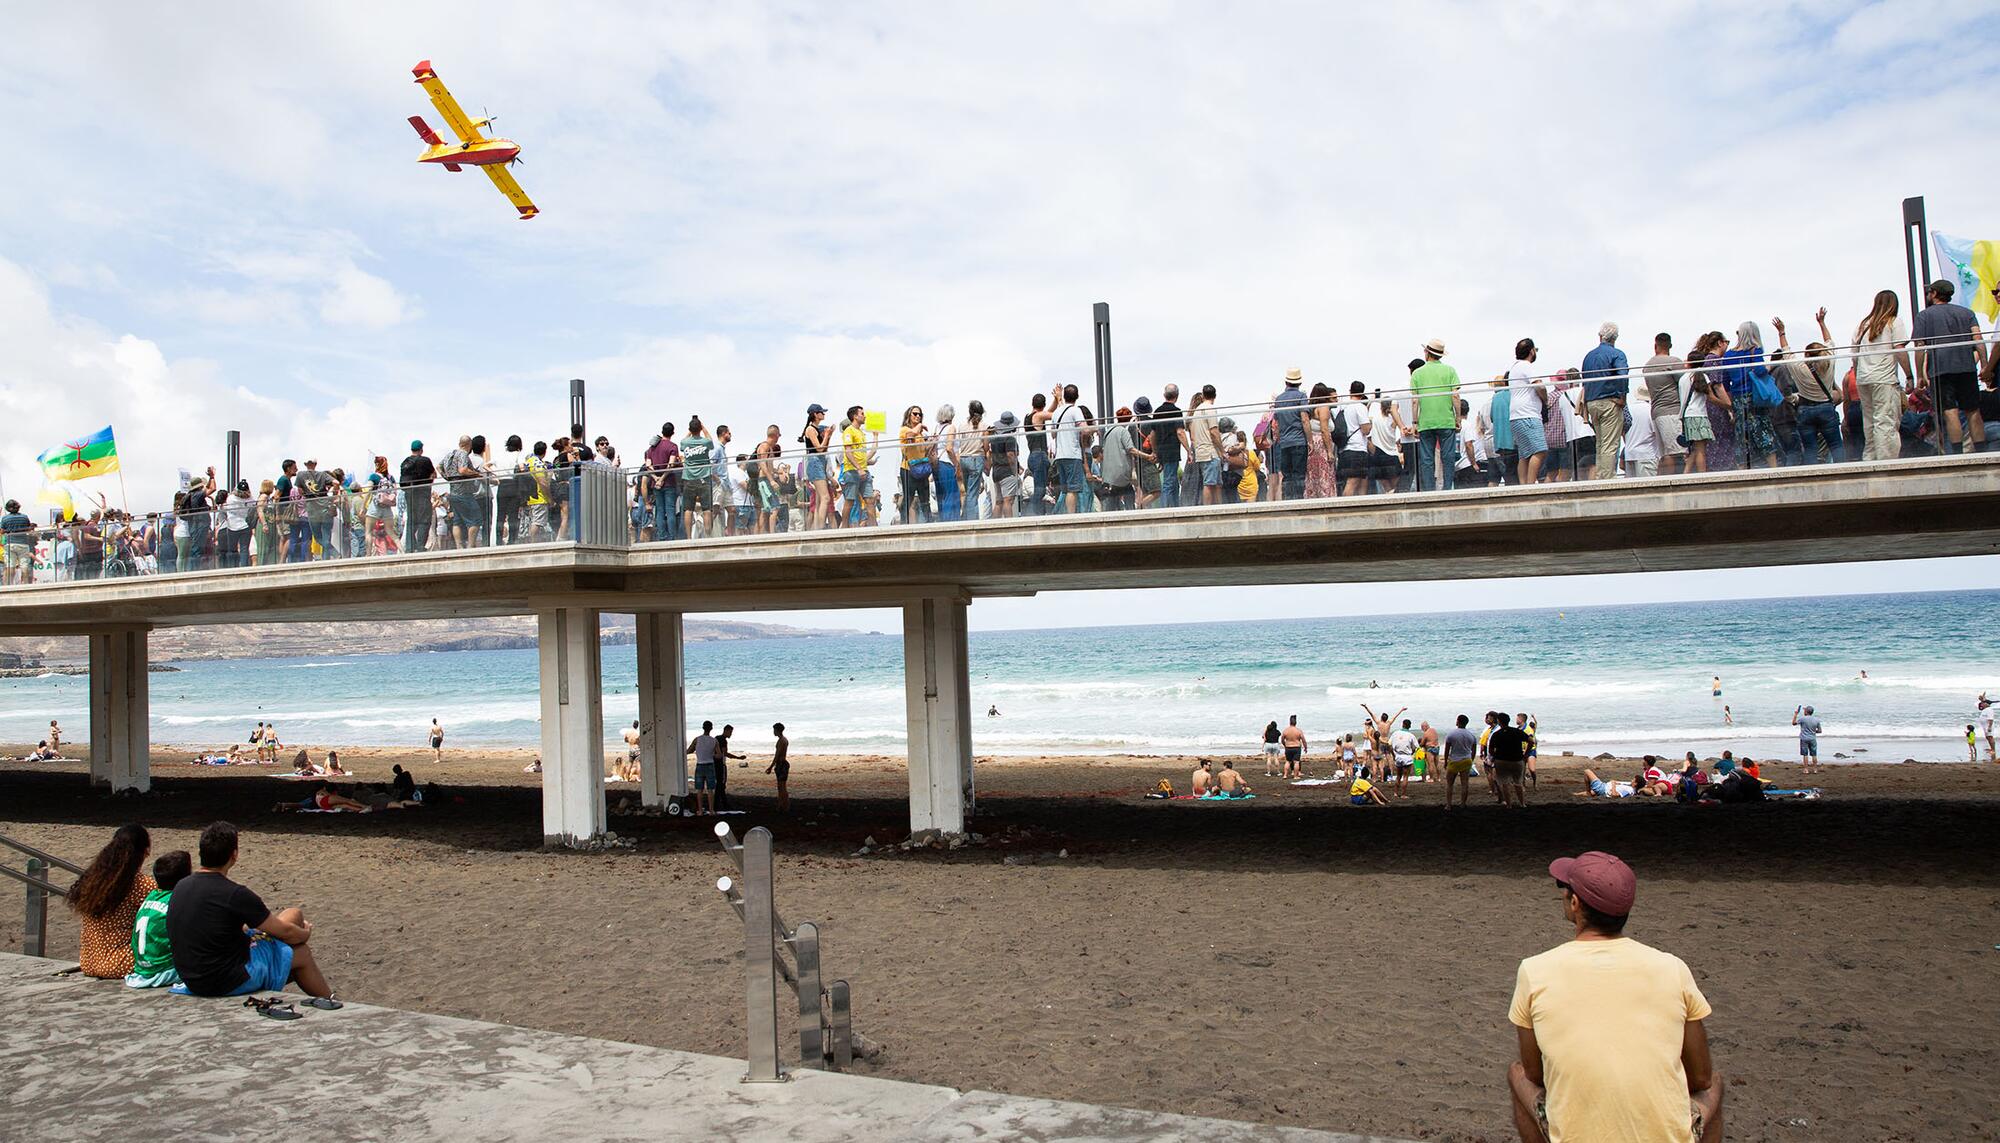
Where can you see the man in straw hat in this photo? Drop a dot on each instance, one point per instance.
(1436, 387)
(1611, 1036)
(1288, 444)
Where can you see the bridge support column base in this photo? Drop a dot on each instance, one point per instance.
(120, 711)
(663, 771)
(939, 697)
(572, 726)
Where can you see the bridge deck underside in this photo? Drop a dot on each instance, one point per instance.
(1898, 510)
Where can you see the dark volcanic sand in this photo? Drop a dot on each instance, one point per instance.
(1291, 960)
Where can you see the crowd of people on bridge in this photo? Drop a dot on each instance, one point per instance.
(1733, 401)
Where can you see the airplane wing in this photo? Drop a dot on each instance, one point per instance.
(505, 181)
(448, 107)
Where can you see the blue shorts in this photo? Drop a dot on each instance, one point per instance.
(1530, 438)
(816, 466)
(704, 777)
(1069, 474)
(1211, 472)
(1357, 799)
(1808, 746)
(270, 966)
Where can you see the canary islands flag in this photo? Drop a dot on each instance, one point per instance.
(1975, 267)
(93, 455)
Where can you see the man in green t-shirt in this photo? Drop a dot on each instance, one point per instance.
(1436, 387)
(152, 954)
(697, 477)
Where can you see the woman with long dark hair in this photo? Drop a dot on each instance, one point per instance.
(1881, 339)
(106, 900)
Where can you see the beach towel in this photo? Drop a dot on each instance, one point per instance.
(1319, 781)
(1213, 798)
(1809, 794)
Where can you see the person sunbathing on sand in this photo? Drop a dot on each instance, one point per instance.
(1204, 778)
(327, 798)
(1596, 787)
(1231, 783)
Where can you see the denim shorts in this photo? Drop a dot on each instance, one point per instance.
(704, 777)
(1211, 472)
(1069, 474)
(816, 466)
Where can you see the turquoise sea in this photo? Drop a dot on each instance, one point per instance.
(1628, 679)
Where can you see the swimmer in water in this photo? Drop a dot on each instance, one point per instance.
(1715, 686)
(993, 711)
(1727, 718)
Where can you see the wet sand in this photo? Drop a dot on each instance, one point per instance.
(1291, 959)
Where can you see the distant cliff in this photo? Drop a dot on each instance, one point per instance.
(292, 640)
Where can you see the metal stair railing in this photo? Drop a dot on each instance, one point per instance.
(826, 1028)
(35, 929)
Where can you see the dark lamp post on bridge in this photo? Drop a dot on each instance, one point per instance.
(576, 403)
(1101, 334)
(1917, 251)
(232, 459)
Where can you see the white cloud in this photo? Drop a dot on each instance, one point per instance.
(360, 298)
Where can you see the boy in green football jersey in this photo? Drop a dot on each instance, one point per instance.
(152, 956)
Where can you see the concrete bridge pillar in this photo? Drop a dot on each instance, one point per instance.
(120, 711)
(939, 697)
(663, 771)
(572, 726)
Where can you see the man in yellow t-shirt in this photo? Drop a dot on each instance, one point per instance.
(856, 456)
(1613, 1048)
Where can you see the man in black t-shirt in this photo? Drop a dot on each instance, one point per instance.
(1507, 748)
(210, 923)
(415, 479)
(1167, 435)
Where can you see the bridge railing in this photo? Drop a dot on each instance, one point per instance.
(35, 923)
(1366, 444)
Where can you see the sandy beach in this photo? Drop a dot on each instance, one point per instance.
(1291, 959)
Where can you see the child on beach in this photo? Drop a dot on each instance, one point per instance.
(152, 956)
(1971, 744)
(1362, 792)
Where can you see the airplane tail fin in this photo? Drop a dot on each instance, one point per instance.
(424, 130)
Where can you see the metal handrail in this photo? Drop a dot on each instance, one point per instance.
(826, 1034)
(31, 851)
(35, 882)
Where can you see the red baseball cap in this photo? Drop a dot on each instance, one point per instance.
(1599, 880)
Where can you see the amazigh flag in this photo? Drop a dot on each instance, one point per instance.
(1975, 267)
(93, 455)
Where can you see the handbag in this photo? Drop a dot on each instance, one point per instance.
(1764, 392)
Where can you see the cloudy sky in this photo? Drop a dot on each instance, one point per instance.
(213, 218)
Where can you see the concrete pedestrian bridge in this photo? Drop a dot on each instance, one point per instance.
(1902, 509)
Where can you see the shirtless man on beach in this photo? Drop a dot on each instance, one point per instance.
(437, 741)
(629, 771)
(781, 765)
(1294, 742)
(1379, 726)
(1231, 782)
(1204, 778)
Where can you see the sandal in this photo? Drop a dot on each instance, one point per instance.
(272, 1008)
(323, 1003)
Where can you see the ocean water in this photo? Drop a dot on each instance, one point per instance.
(1629, 680)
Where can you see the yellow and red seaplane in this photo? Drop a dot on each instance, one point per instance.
(474, 149)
